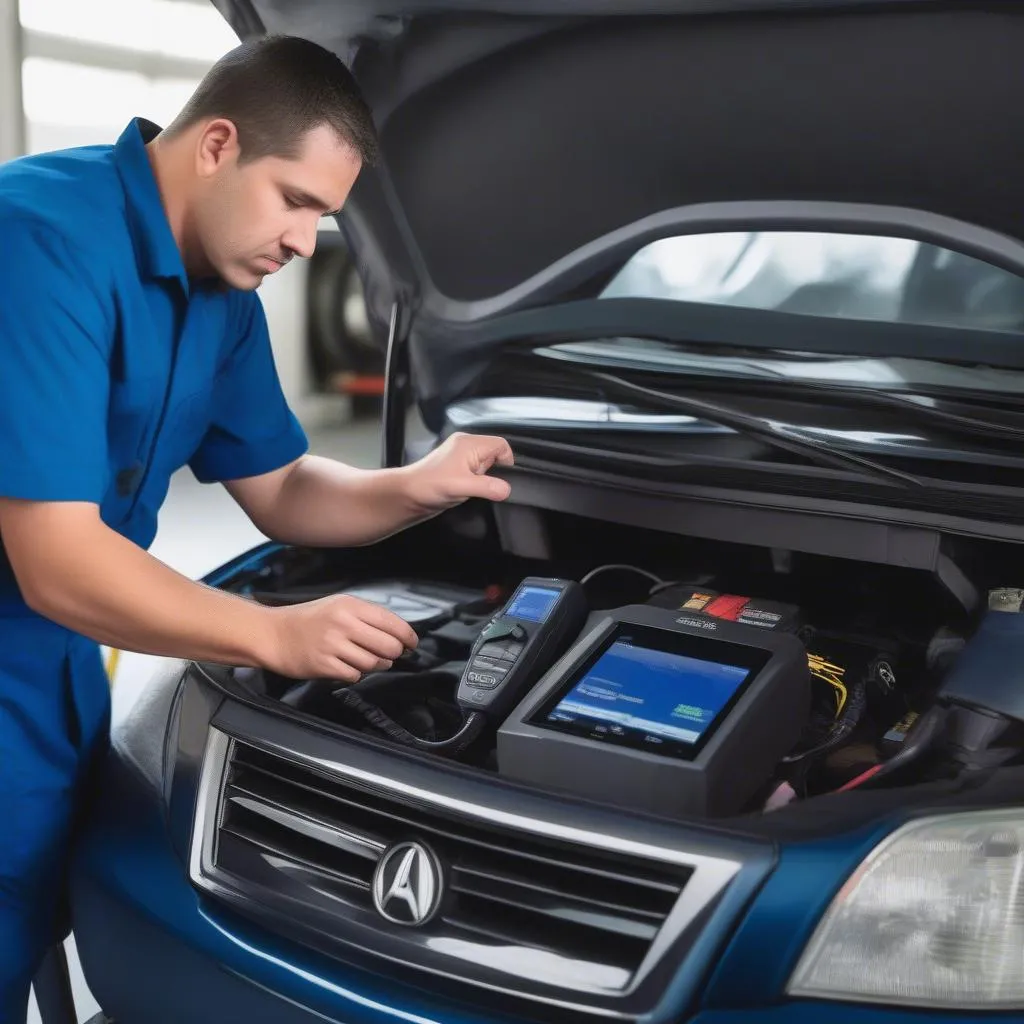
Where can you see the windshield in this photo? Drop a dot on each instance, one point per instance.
(856, 277)
(922, 430)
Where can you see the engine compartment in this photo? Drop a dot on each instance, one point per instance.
(881, 642)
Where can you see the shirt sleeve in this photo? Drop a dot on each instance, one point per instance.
(55, 340)
(253, 431)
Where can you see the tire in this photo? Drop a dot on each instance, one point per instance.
(341, 340)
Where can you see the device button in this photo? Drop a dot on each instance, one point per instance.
(492, 650)
(498, 630)
(475, 696)
(505, 653)
(485, 680)
(517, 632)
(496, 669)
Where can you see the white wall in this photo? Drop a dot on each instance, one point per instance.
(11, 122)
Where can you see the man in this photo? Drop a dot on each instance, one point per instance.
(131, 344)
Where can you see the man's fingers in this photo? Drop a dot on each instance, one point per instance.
(382, 620)
(359, 658)
(343, 671)
(494, 451)
(382, 645)
(387, 622)
(489, 487)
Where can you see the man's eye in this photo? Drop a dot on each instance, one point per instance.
(292, 204)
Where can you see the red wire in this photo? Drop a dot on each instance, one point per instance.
(863, 777)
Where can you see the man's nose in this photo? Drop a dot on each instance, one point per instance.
(301, 239)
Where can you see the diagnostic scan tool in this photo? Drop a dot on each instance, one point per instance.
(519, 644)
(667, 713)
(515, 647)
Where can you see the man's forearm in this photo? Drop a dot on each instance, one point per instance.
(323, 503)
(119, 595)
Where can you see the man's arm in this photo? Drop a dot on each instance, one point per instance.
(74, 570)
(255, 446)
(56, 334)
(319, 502)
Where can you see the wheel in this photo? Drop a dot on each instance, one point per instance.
(341, 340)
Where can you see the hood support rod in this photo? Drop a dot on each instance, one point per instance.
(396, 390)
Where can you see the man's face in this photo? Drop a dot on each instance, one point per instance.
(249, 219)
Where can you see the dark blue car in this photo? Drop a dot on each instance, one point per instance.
(721, 717)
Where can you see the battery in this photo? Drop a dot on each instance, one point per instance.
(747, 611)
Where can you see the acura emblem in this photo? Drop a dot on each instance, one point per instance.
(407, 884)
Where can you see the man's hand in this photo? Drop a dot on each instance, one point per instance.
(72, 568)
(337, 638)
(318, 502)
(455, 471)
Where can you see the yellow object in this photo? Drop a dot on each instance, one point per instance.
(113, 657)
(831, 674)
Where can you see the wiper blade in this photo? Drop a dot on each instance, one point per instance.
(757, 375)
(771, 433)
(929, 413)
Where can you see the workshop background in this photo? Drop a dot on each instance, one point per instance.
(74, 73)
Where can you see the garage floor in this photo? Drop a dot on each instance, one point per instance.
(201, 528)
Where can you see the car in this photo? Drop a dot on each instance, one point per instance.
(720, 717)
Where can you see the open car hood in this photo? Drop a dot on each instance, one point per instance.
(530, 147)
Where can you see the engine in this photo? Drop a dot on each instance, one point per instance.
(685, 695)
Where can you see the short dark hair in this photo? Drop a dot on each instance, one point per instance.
(275, 89)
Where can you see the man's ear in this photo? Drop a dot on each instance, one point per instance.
(217, 146)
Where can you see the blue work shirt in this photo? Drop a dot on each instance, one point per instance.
(116, 370)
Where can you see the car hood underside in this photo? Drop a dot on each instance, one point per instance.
(512, 140)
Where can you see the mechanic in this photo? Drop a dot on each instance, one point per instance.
(132, 343)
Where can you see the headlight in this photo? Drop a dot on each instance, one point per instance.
(933, 917)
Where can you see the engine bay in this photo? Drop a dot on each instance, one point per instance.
(715, 680)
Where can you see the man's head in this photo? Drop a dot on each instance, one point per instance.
(272, 140)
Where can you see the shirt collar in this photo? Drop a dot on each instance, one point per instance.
(156, 251)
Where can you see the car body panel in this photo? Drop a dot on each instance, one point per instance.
(170, 954)
(130, 883)
(450, 81)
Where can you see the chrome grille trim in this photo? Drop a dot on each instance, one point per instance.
(709, 875)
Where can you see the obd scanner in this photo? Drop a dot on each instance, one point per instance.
(519, 644)
(669, 713)
(515, 647)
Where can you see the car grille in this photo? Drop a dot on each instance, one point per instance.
(521, 913)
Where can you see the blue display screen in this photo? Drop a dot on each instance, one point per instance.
(649, 696)
(533, 603)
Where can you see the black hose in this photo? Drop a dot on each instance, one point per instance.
(919, 738)
(471, 728)
(856, 702)
(917, 742)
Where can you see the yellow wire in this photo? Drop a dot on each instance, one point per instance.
(841, 693)
(818, 662)
(831, 674)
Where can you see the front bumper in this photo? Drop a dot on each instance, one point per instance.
(156, 951)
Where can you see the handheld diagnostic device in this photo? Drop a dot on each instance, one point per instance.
(519, 644)
(662, 712)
